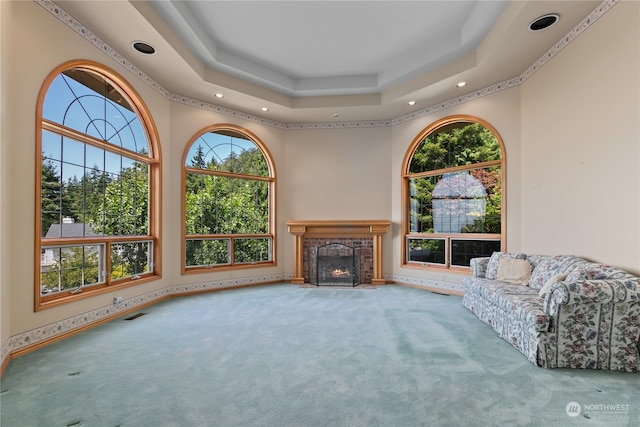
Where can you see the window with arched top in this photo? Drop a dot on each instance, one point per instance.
(228, 201)
(98, 175)
(453, 183)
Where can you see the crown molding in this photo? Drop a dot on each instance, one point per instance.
(72, 23)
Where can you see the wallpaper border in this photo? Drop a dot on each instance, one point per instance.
(72, 23)
(43, 333)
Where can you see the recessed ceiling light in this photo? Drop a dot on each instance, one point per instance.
(544, 21)
(411, 103)
(265, 109)
(461, 84)
(219, 95)
(143, 47)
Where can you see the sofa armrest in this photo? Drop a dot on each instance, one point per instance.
(479, 266)
(591, 291)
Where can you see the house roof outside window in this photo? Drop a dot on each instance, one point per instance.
(70, 228)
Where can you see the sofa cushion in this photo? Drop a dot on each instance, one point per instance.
(545, 267)
(494, 262)
(512, 301)
(512, 270)
(508, 299)
(498, 293)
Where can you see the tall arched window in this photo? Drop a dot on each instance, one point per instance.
(453, 184)
(97, 202)
(228, 201)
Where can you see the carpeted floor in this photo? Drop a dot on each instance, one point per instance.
(281, 355)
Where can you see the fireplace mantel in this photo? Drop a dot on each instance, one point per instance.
(374, 229)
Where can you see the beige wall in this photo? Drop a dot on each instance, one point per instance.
(5, 120)
(336, 174)
(580, 146)
(186, 121)
(570, 132)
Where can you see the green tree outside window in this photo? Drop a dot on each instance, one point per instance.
(453, 183)
(228, 201)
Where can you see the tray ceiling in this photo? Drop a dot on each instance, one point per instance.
(310, 61)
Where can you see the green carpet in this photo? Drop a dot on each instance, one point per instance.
(280, 355)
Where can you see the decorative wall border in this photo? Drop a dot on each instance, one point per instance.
(72, 23)
(428, 284)
(507, 84)
(38, 335)
(33, 337)
(43, 333)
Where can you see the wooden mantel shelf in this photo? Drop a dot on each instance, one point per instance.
(349, 228)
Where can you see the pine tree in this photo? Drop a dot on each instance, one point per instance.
(51, 196)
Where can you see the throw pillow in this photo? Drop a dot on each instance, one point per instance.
(552, 281)
(494, 261)
(514, 270)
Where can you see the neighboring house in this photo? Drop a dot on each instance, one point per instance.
(68, 228)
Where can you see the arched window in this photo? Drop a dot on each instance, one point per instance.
(97, 202)
(228, 201)
(453, 183)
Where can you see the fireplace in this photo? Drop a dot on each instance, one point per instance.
(334, 264)
(338, 253)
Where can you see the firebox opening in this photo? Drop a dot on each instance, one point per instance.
(337, 265)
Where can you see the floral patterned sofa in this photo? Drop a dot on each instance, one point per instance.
(559, 311)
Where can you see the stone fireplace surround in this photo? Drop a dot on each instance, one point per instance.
(363, 234)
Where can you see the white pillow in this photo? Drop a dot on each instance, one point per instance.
(512, 270)
(552, 281)
(494, 262)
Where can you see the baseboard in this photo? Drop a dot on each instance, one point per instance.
(42, 336)
(427, 284)
(431, 289)
(5, 357)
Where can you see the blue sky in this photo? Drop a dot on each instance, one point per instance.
(219, 147)
(78, 107)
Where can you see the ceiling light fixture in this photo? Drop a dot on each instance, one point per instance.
(265, 109)
(412, 103)
(143, 47)
(461, 84)
(219, 95)
(545, 21)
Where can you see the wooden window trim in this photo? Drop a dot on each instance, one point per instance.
(271, 179)
(42, 302)
(406, 176)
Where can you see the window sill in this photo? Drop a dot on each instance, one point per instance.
(44, 302)
(226, 267)
(438, 268)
